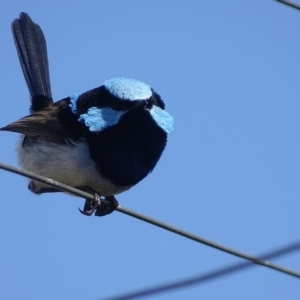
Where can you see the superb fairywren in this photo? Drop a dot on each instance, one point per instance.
(105, 140)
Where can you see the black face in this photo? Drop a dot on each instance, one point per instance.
(101, 97)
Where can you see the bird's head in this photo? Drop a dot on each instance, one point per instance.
(116, 98)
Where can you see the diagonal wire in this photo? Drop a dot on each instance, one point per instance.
(206, 277)
(152, 221)
(289, 3)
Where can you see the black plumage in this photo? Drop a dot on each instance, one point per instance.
(32, 51)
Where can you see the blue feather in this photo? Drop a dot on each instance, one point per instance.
(162, 118)
(96, 119)
(73, 100)
(128, 89)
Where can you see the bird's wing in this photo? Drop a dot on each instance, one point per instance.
(32, 51)
(55, 123)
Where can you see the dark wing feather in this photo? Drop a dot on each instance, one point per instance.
(46, 124)
(32, 51)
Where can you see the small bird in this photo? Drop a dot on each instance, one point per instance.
(103, 141)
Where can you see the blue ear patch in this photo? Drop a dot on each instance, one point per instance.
(162, 118)
(128, 89)
(96, 119)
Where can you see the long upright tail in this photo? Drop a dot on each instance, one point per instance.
(32, 51)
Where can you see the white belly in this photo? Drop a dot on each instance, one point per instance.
(69, 165)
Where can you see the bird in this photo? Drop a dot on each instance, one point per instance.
(103, 141)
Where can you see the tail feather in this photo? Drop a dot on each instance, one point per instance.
(32, 51)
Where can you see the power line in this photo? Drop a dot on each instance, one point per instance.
(289, 3)
(205, 277)
(152, 221)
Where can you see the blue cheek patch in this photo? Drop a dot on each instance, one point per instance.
(162, 118)
(96, 119)
(128, 89)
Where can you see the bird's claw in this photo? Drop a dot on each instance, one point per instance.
(91, 205)
(101, 208)
(107, 206)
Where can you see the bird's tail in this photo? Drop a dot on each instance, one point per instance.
(32, 51)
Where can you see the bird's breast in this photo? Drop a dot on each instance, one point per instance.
(69, 164)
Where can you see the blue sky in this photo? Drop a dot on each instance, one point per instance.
(229, 73)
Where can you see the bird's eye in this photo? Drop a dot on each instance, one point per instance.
(150, 103)
(117, 105)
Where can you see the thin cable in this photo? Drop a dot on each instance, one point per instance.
(152, 221)
(289, 3)
(205, 277)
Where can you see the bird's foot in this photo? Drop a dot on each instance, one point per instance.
(107, 206)
(91, 205)
(100, 207)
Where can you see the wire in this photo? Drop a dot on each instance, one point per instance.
(206, 277)
(289, 3)
(152, 221)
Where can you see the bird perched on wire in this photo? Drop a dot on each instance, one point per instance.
(103, 141)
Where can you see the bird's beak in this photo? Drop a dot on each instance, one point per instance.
(140, 104)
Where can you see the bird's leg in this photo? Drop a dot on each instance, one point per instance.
(101, 208)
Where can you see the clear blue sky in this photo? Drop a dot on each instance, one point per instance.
(229, 73)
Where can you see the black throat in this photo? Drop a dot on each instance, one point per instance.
(127, 152)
